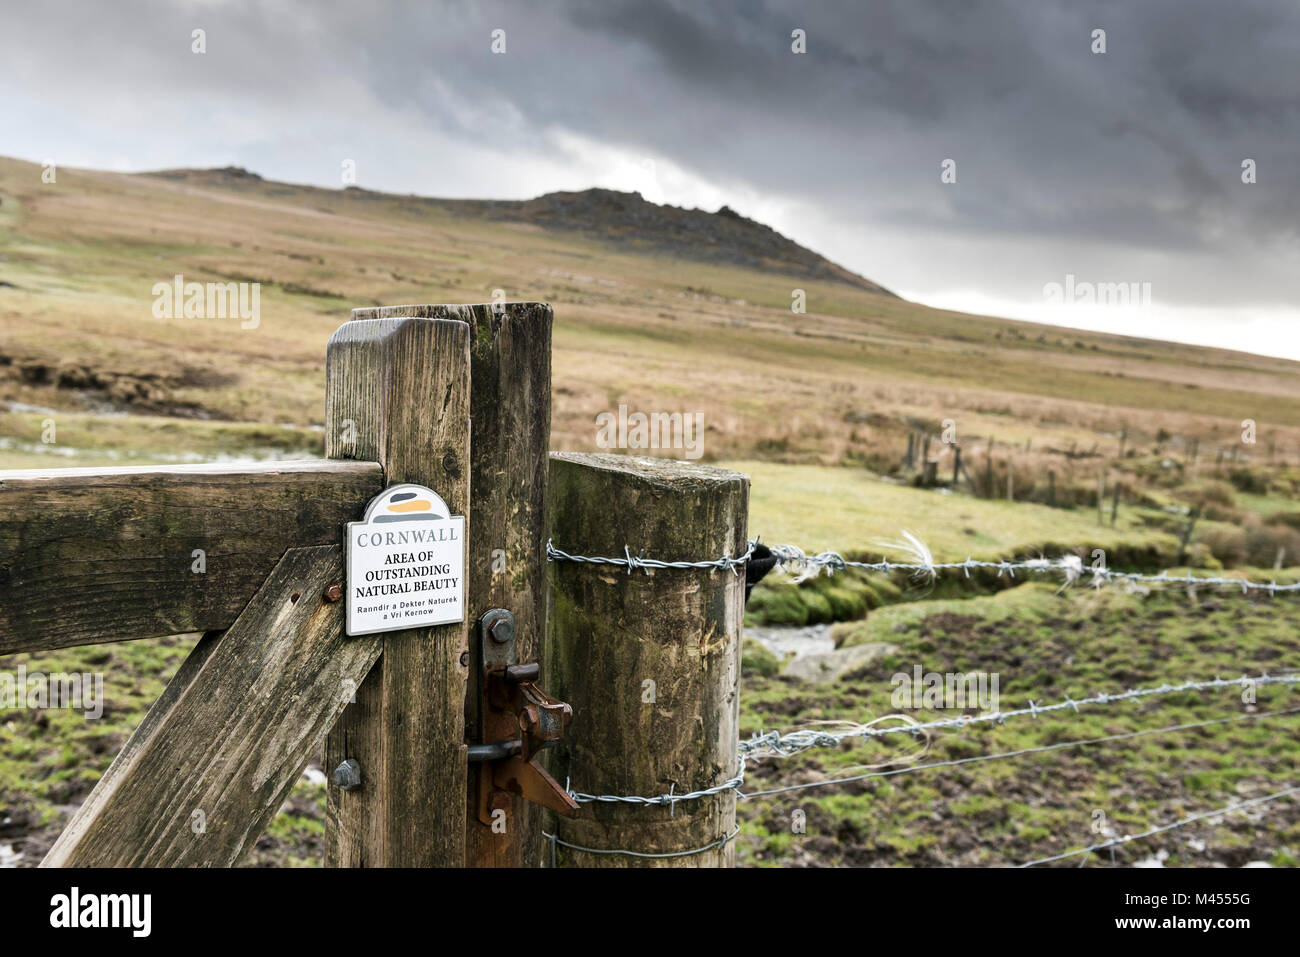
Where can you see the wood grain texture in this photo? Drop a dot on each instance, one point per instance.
(397, 392)
(95, 555)
(510, 375)
(231, 733)
(680, 628)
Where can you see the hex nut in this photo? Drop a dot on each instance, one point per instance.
(502, 630)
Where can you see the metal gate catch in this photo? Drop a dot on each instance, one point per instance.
(517, 719)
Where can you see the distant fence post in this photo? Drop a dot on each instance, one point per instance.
(650, 662)
(930, 473)
(397, 392)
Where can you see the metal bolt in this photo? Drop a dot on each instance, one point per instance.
(334, 592)
(347, 775)
(502, 630)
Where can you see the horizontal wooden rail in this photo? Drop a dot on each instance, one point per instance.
(216, 755)
(95, 555)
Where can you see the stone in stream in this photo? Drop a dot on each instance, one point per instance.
(833, 665)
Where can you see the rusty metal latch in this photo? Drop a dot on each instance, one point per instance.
(517, 719)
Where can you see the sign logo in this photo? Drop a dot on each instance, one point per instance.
(406, 563)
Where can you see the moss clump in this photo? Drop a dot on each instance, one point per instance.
(846, 603)
(818, 605)
(756, 659)
(846, 596)
(776, 605)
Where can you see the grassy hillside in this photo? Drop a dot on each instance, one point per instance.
(683, 311)
(841, 384)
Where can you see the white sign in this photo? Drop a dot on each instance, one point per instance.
(406, 563)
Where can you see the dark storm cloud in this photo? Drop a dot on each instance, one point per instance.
(1058, 150)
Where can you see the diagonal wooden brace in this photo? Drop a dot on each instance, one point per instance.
(218, 752)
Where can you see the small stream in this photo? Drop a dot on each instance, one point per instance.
(781, 640)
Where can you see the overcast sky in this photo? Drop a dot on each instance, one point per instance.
(1115, 167)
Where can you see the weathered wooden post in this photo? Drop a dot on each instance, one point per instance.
(1186, 539)
(649, 661)
(956, 464)
(930, 473)
(510, 408)
(397, 392)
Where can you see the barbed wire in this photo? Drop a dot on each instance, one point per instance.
(1064, 745)
(1160, 830)
(733, 784)
(1069, 567)
(671, 798)
(776, 744)
(630, 561)
(556, 839)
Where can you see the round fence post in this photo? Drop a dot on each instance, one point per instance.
(648, 658)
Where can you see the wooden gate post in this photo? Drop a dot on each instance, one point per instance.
(510, 408)
(397, 392)
(649, 662)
